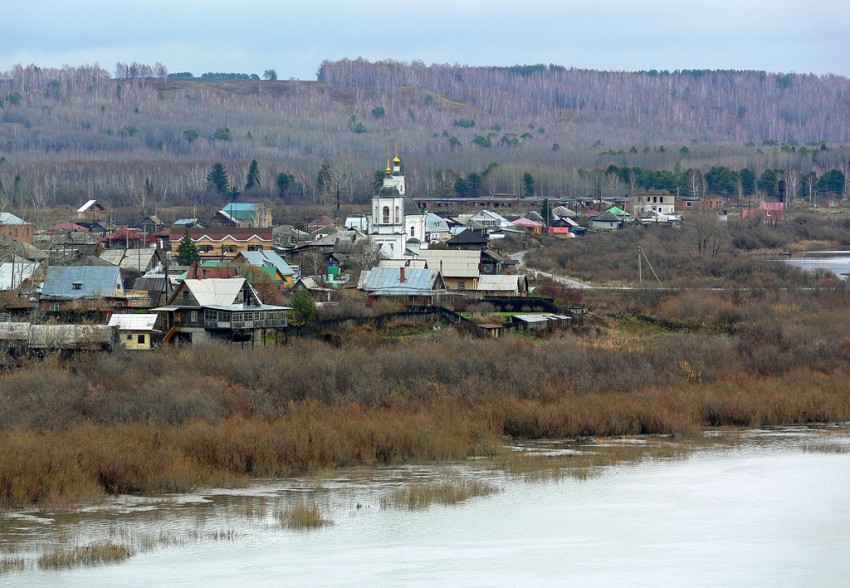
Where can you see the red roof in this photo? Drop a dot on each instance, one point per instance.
(68, 226)
(771, 205)
(124, 233)
(558, 230)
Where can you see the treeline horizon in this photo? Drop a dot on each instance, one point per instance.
(76, 133)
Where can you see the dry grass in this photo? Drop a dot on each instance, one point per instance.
(584, 460)
(447, 492)
(71, 432)
(302, 515)
(11, 563)
(86, 555)
(824, 447)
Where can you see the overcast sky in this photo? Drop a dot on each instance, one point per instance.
(250, 36)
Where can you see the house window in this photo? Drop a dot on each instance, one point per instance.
(193, 316)
(461, 285)
(77, 285)
(255, 247)
(140, 340)
(129, 336)
(386, 215)
(55, 307)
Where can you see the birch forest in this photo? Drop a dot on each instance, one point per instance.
(143, 139)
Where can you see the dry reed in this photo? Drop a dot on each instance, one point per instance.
(302, 515)
(85, 555)
(10, 563)
(447, 492)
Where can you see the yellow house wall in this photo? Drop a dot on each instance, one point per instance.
(219, 248)
(130, 340)
(454, 283)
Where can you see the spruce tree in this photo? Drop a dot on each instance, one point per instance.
(217, 180)
(253, 180)
(187, 252)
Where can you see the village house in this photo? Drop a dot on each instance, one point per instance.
(151, 225)
(686, 203)
(529, 225)
(242, 214)
(138, 261)
(68, 243)
(125, 237)
(436, 228)
(223, 243)
(469, 239)
(223, 309)
(15, 229)
(503, 285)
(84, 288)
(662, 202)
(278, 270)
(404, 284)
(459, 268)
(606, 221)
(770, 212)
(91, 210)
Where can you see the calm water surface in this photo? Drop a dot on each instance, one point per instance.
(837, 262)
(758, 511)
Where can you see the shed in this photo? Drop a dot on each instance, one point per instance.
(135, 331)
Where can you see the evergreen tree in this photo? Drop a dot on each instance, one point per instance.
(253, 180)
(284, 182)
(187, 252)
(303, 308)
(528, 184)
(217, 180)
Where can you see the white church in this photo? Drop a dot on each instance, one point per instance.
(397, 225)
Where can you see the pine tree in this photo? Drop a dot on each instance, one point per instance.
(187, 253)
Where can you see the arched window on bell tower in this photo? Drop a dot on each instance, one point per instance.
(397, 215)
(386, 215)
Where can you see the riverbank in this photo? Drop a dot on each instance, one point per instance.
(74, 431)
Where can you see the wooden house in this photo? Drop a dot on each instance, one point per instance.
(92, 210)
(213, 309)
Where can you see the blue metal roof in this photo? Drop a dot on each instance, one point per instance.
(386, 281)
(83, 281)
(244, 211)
(267, 259)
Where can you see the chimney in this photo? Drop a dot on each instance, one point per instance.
(401, 274)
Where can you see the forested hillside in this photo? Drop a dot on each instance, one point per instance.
(75, 133)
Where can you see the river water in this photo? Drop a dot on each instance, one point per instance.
(754, 508)
(837, 262)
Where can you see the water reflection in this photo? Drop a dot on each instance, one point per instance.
(755, 507)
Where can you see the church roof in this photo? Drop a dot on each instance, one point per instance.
(388, 191)
(410, 207)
